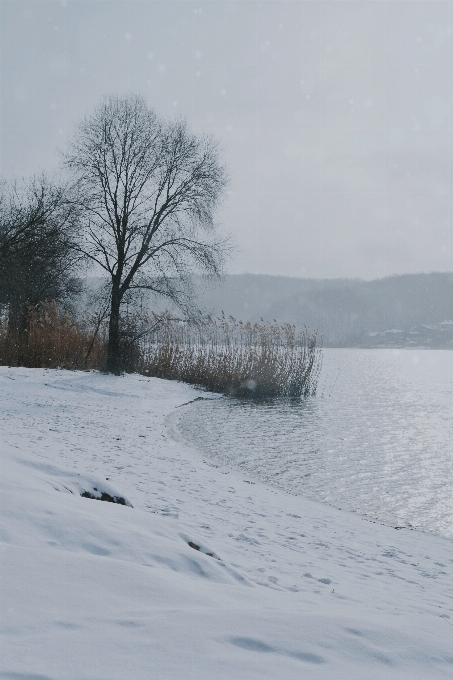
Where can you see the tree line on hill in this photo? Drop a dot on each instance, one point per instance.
(345, 311)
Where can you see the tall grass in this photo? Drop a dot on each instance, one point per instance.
(221, 355)
(52, 339)
(235, 358)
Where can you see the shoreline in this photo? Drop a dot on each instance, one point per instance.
(274, 585)
(179, 437)
(369, 454)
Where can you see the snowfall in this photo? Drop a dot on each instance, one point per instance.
(199, 571)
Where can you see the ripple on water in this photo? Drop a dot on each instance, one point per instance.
(376, 440)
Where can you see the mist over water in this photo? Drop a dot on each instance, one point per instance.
(376, 440)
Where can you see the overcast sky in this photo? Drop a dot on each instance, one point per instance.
(335, 117)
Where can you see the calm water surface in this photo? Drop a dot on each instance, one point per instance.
(377, 439)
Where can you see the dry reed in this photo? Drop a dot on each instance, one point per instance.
(220, 355)
(235, 358)
(52, 339)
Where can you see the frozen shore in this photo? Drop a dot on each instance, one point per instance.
(209, 574)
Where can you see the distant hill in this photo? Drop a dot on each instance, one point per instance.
(345, 311)
(393, 311)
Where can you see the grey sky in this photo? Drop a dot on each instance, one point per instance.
(335, 117)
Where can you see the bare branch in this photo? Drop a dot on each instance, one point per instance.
(148, 191)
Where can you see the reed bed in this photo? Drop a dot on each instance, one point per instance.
(220, 355)
(235, 358)
(52, 338)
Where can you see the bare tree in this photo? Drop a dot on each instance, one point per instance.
(37, 238)
(148, 191)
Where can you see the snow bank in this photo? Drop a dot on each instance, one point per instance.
(202, 572)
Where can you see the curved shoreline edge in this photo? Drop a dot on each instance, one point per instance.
(174, 430)
(273, 585)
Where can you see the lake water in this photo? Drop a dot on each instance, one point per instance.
(377, 439)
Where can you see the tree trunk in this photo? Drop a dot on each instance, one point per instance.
(113, 350)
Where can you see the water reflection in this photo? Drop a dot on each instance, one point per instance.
(376, 440)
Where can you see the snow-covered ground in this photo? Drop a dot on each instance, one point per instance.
(280, 587)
